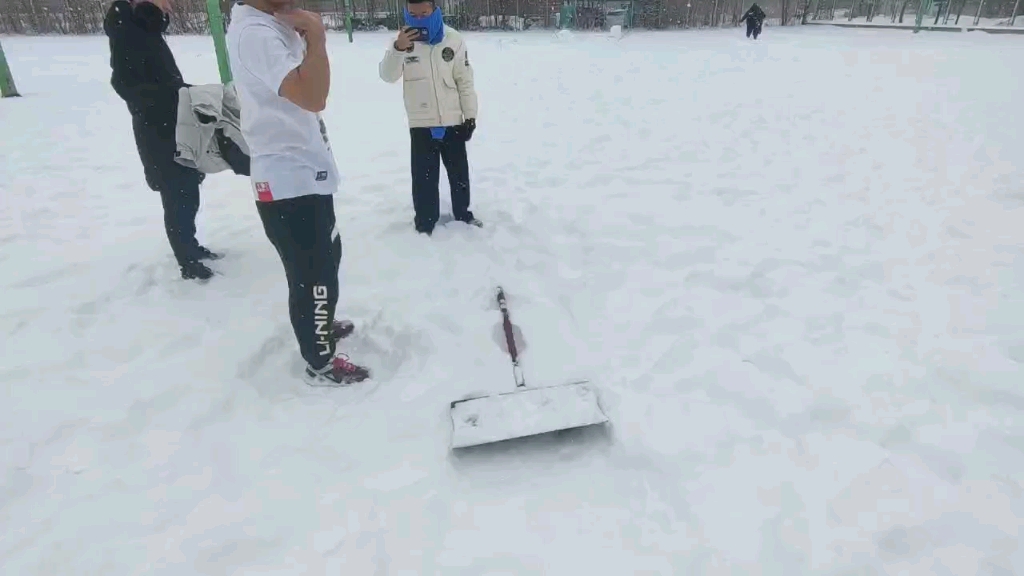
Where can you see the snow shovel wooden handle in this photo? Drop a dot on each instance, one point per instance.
(510, 340)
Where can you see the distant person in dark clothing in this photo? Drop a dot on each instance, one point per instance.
(146, 77)
(754, 18)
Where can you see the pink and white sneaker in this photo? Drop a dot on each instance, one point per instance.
(338, 372)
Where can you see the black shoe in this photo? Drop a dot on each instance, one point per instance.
(196, 271)
(427, 229)
(204, 253)
(341, 329)
(468, 218)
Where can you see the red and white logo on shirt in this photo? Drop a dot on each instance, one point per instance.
(263, 193)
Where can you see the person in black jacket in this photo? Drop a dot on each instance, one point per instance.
(146, 77)
(754, 18)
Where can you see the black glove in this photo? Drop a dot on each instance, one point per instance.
(466, 129)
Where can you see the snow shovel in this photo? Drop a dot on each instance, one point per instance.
(523, 411)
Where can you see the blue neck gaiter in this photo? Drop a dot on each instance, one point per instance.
(433, 23)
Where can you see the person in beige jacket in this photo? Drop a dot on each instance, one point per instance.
(441, 105)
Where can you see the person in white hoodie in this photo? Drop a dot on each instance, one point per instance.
(283, 77)
(441, 105)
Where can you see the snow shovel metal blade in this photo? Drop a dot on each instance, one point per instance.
(524, 412)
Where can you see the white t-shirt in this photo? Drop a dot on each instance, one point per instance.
(291, 154)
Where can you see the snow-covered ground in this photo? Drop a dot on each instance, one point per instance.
(794, 269)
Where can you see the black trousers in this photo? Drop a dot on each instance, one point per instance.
(426, 173)
(303, 232)
(180, 198)
(753, 27)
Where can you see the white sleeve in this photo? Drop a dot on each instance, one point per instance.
(390, 68)
(463, 74)
(263, 53)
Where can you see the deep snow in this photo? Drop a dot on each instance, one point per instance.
(793, 269)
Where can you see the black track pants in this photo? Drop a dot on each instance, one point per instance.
(303, 232)
(180, 199)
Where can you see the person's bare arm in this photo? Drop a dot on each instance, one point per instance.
(309, 84)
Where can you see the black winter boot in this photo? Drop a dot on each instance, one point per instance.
(196, 270)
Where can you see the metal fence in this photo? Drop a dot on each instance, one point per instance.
(189, 16)
(86, 16)
(989, 13)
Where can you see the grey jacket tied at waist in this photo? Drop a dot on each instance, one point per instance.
(209, 134)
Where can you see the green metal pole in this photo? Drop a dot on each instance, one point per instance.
(567, 20)
(925, 6)
(219, 43)
(348, 19)
(7, 87)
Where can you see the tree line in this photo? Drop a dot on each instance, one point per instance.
(86, 16)
(189, 17)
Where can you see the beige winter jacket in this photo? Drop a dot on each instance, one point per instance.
(437, 81)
